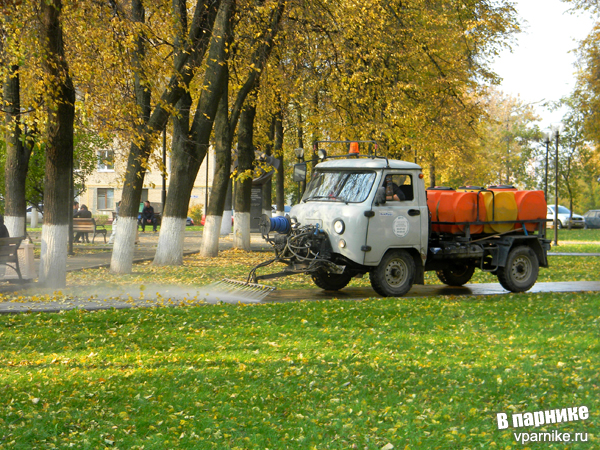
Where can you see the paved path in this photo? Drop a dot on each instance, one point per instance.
(154, 296)
(160, 295)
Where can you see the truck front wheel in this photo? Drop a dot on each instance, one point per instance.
(521, 270)
(395, 274)
(458, 275)
(331, 281)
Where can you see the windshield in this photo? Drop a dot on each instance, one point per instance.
(561, 210)
(347, 186)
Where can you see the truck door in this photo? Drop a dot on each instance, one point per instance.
(398, 222)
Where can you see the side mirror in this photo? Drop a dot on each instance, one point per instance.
(299, 172)
(380, 196)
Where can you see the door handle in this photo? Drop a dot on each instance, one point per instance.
(414, 212)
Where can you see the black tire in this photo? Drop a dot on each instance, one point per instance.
(559, 224)
(458, 275)
(331, 281)
(521, 270)
(395, 274)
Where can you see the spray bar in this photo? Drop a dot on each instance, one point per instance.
(246, 291)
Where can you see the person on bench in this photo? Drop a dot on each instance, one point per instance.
(83, 213)
(148, 217)
(3, 230)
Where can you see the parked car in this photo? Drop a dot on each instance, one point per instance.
(39, 214)
(189, 222)
(592, 218)
(577, 221)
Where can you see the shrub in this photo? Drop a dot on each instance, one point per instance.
(101, 219)
(195, 212)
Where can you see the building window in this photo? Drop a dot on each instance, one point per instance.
(106, 161)
(105, 198)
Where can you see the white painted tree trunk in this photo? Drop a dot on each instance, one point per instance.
(34, 218)
(53, 260)
(210, 236)
(15, 225)
(122, 256)
(279, 214)
(170, 242)
(268, 212)
(226, 223)
(241, 231)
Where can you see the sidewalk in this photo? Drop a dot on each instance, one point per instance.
(146, 249)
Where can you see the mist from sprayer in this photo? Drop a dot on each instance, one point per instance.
(100, 297)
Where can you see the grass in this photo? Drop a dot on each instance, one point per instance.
(575, 235)
(424, 373)
(418, 373)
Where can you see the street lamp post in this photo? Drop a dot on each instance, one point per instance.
(547, 136)
(556, 132)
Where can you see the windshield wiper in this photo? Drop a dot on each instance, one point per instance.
(314, 197)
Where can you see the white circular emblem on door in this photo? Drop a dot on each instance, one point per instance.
(401, 226)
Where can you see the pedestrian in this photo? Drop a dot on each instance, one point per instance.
(114, 224)
(83, 213)
(75, 208)
(3, 230)
(148, 217)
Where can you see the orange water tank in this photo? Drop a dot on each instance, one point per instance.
(433, 197)
(531, 205)
(445, 212)
(470, 207)
(460, 207)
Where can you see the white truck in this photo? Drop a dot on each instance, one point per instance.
(363, 215)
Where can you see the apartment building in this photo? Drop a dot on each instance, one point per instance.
(104, 187)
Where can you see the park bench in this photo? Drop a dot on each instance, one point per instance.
(8, 253)
(83, 225)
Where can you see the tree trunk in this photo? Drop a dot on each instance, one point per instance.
(259, 59)
(17, 156)
(278, 150)
(151, 123)
(221, 180)
(268, 186)
(192, 144)
(243, 182)
(122, 257)
(302, 185)
(59, 150)
(431, 174)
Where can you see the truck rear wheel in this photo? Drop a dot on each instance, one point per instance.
(395, 274)
(521, 270)
(331, 281)
(458, 275)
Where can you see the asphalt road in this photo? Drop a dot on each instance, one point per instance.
(159, 295)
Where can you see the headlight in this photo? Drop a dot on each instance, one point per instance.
(338, 226)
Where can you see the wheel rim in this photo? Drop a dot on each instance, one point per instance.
(396, 273)
(521, 269)
(459, 272)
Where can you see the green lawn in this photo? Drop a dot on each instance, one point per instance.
(419, 373)
(412, 373)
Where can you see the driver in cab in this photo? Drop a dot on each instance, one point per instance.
(392, 190)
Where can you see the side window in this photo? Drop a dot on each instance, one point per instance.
(398, 187)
